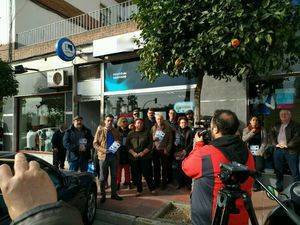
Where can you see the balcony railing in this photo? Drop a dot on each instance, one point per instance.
(76, 25)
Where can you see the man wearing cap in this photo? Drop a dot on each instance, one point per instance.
(78, 141)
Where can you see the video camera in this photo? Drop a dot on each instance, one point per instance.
(202, 128)
(234, 173)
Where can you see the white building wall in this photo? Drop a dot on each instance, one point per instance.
(29, 16)
(4, 21)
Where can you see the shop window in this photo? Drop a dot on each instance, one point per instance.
(267, 98)
(88, 72)
(123, 105)
(39, 118)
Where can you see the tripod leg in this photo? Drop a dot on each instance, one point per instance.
(222, 211)
(249, 207)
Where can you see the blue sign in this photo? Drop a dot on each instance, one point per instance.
(65, 49)
(125, 76)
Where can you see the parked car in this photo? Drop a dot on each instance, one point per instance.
(75, 188)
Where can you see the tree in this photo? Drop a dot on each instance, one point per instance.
(222, 39)
(8, 83)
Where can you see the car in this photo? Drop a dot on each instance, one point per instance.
(76, 188)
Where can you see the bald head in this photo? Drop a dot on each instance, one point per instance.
(224, 122)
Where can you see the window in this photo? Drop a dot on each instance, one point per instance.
(161, 101)
(39, 117)
(267, 98)
(87, 72)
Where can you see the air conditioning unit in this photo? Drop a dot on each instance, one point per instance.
(57, 78)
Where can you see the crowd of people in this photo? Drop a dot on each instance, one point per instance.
(163, 151)
(155, 147)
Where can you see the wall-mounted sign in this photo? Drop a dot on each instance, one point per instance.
(65, 49)
(182, 107)
(285, 98)
(125, 76)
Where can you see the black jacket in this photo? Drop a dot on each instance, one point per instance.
(292, 132)
(123, 151)
(57, 142)
(186, 139)
(71, 143)
(50, 214)
(149, 124)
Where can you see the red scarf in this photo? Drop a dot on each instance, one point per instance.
(258, 129)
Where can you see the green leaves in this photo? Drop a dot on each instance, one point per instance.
(8, 83)
(200, 33)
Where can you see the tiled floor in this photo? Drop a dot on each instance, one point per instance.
(147, 204)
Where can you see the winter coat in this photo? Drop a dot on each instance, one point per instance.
(71, 143)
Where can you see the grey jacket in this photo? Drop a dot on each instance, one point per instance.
(247, 135)
(58, 213)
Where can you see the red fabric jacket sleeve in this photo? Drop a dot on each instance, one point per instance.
(191, 165)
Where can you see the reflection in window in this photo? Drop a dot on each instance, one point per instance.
(39, 117)
(123, 104)
(267, 98)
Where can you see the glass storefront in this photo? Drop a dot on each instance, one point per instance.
(267, 98)
(160, 101)
(39, 117)
(125, 90)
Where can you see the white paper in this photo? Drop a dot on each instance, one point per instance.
(160, 135)
(114, 147)
(254, 148)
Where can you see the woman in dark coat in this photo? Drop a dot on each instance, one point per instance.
(123, 151)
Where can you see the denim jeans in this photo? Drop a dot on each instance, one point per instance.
(293, 161)
(81, 164)
(110, 163)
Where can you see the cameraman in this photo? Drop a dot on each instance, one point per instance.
(203, 165)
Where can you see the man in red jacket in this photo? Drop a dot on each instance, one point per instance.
(203, 165)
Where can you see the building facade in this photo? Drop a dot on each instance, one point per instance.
(104, 77)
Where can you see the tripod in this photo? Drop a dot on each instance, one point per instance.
(226, 205)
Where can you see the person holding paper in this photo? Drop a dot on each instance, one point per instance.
(256, 138)
(163, 143)
(139, 145)
(78, 141)
(107, 144)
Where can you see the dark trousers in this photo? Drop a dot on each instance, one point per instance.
(181, 179)
(59, 158)
(139, 168)
(280, 156)
(110, 163)
(259, 166)
(81, 163)
(160, 168)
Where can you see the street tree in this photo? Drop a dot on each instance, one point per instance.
(8, 83)
(223, 39)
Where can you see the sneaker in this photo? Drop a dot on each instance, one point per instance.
(116, 197)
(153, 192)
(103, 199)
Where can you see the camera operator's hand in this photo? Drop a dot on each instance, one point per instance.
(198, 138)
(30, 186)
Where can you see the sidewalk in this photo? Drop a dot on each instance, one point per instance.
(147, 205)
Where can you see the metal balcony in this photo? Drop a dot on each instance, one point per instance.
(112, 15)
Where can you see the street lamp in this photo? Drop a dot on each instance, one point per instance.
(21, 69)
